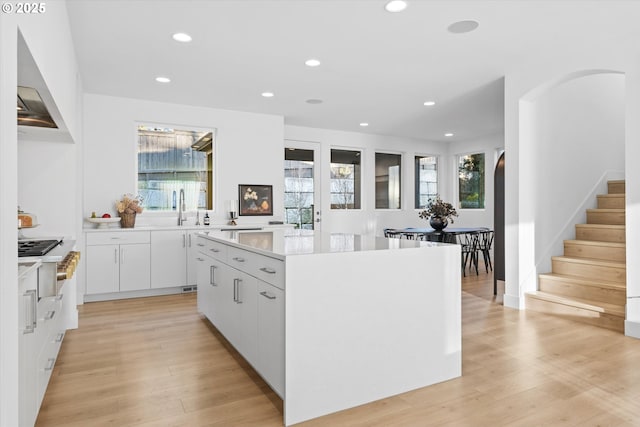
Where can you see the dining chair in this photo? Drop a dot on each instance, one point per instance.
(469, 243)
(485, 243)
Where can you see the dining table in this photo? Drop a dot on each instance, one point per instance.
(446, 235)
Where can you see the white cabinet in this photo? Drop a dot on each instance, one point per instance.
(249, 312)
(240, 312)
(118, 261)
(28, 349)
(271, 336)
(168, 258)
(42, 325)
(173, 254)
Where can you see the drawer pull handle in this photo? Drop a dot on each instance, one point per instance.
(49, 315)
(238, 259)
(200, 259)
(212, 276)
(59, 337)
(236, 291)
(50, 363)
(268, 270)
(266, 295)
(214, 250)
(200, 244)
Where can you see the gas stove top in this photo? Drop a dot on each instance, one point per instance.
(28, 248)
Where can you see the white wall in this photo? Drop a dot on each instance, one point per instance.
(578, 139)
(523, 85)
(47, 186)
(248, 151)
(632, 177)
(491, 146)
(48, 38)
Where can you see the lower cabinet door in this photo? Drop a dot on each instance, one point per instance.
(241, 312)
(135, 261)
(103, 265)
(271, 336)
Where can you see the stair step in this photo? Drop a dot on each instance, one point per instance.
(605, 216)
(611, 201)
(609, 251)
(616, 186)
(608, 316)
(601, 232)
(590, 268)
(588, 289)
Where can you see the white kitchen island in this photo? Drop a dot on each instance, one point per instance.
(333, 321)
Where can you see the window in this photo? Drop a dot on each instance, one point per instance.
(388, 173)
(298, 187)
(170, 160)
(471, 181)
(345, 179)
(426, 178)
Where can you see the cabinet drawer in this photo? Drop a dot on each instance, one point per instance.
(117, 238)
(212, 249)
(265, 268)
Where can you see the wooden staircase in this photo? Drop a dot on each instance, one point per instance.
(588, 283)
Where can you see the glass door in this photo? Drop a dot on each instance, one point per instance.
(301, 185)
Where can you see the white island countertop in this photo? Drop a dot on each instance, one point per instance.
(282, 243)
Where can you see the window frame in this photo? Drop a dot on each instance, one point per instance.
(214, 163)
(457, 180)
(402, 180)
(362, 152)
(415, 181)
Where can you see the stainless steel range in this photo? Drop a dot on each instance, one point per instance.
(59, 261)
(36, 247)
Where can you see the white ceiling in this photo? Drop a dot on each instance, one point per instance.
(377, 67)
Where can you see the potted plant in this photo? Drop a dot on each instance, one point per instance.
(127, 208)
(439, 213)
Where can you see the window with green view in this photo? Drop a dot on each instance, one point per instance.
(471, 181)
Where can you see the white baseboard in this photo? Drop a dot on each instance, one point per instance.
(512, 302)
(133, 294)
(632, 329)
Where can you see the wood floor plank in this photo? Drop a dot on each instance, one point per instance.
(156, 362)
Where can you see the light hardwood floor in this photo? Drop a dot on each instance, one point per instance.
(157, 362)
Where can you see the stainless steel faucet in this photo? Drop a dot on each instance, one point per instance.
(181, 208)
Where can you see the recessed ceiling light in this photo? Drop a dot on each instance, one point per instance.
(395, 6)
(448, 134)
(314, 101)
(268, 94)
(463, 27)
(311, 62)
(364, 125)
(163, 79)
(429, 103)
(182, 37)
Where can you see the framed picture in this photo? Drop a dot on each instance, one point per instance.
(255, 200)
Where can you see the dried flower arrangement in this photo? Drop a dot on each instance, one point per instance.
(129, 204)
(437, 208)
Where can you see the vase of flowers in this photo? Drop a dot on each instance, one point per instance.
(128, 207)
(439, 213)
